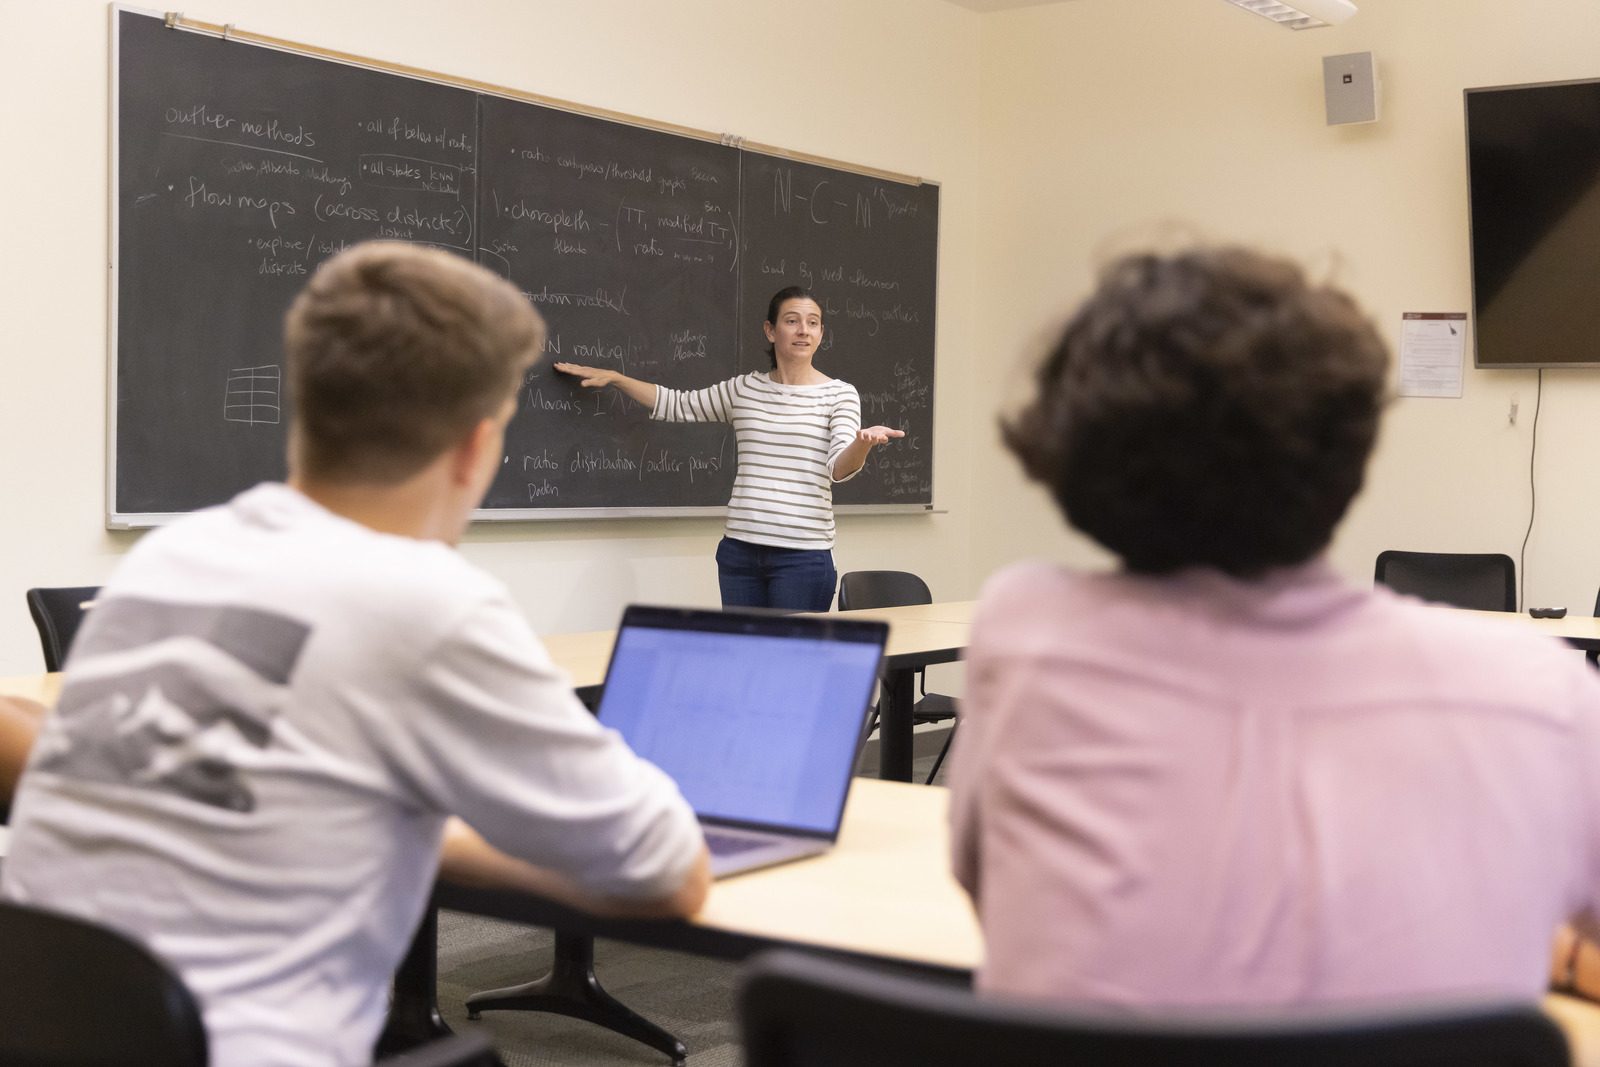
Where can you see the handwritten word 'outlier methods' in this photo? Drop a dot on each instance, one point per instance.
(202, 117)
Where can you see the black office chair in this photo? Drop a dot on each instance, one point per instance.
(75, 994)
(893, 589)
(58, 613)
(800, 1011)
(1486, 581)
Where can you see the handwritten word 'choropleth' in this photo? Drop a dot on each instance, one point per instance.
(558, 219)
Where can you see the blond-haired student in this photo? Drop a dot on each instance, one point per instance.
(277, 703)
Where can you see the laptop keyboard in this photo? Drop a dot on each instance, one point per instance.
(730, 845)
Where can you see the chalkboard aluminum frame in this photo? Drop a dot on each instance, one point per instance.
(118, 520)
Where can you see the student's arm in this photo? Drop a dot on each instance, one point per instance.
(1575, 957)
(599, 377)
(19, 723)
(493, 733)
(1575, 964)
(470, 860)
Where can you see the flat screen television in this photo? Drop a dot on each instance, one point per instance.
(1533, 168)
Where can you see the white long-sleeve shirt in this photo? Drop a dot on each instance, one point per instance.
(788, 439)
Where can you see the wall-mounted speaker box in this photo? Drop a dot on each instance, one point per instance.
(1350, 85)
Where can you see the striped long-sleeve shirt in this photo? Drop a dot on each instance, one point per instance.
(788, 438)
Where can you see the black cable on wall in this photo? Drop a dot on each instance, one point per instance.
(1533, 494)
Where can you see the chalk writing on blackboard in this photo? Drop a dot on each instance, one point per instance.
(252, 395)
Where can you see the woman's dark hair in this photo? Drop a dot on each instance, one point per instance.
(791, 292)
(1206, 409)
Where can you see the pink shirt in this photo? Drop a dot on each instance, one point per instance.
(1199, 791)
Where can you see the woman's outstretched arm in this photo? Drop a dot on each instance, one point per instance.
(595, 377)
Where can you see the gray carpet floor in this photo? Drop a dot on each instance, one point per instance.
(691, 996)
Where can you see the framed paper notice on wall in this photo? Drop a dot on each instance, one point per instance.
(1432, 345)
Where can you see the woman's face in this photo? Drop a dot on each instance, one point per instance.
(798, 331)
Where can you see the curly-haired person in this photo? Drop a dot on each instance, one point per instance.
(1221, 775)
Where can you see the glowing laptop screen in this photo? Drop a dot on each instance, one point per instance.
(754, 728)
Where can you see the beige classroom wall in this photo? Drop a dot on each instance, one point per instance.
(1113, 124)
(891, 83)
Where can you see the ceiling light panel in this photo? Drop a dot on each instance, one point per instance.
(1302, 14)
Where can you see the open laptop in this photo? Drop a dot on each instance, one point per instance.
(757, 717)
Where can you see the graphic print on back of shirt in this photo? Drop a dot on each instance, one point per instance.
(160, 695)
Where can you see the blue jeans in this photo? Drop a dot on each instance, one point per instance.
(762, 576)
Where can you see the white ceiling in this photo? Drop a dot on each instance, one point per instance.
(1001, 5)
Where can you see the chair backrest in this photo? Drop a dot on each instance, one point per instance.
(1483, 580)
(73, 994)
(882, 589)
(798, 1011)
(57, 613)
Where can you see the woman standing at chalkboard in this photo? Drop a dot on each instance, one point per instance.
(798, 432)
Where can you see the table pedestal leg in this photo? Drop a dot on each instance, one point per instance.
(414, 1017)
(571, 988)
(896, 698)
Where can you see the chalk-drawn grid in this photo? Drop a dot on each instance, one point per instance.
(252, 395)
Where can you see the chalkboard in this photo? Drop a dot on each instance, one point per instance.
(240, 168)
